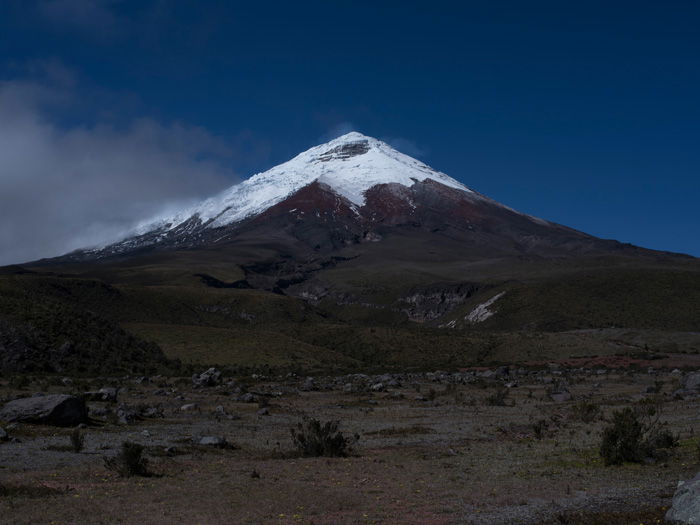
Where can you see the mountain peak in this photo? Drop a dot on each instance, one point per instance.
(350, 165)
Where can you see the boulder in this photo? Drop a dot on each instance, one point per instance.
(108, 394)
(211, 377)
(685, 508)
(247, 398)
(213, 441)
(692, 381)
(3, 435)
(189, 407)
(308, 385)
(127, 415)
(56, 409)
(561, 396)
(152, 412)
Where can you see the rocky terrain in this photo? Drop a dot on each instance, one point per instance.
(490, 445)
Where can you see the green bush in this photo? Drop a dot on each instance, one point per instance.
(585, 411)
(314, 439)
(77, 440)
(633, 436)
(129, 462)
(498, 398)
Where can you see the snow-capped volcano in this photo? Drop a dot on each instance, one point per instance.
(350, 165)
(352, 190)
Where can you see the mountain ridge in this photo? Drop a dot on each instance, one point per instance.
(368, 187)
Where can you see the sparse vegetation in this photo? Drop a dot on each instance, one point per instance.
(77, 440)
(314, 439)
(585, 411)
(634, 436)
(498, 398)
(129, 462)
(27, 491)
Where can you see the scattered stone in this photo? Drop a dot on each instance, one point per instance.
(692, 381)
(685, 508)
(213, 441)
(377, 387)
(99, 411)
(152, 412)
(211, 377)
(309, 385)
(561, 396)
(189, 407)
(247, 398)
(502, 371)
(3, 435)
(108, 394)
(56, 409)
(127, 415)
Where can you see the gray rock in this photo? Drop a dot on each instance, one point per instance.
(127, 415)
(502, 371)
(685, 508)
(108, 394)
(211, 377)
(377, 387)
(99, 411)
(308, 385)
(152, 412)
(247, 398)
(263, 412)
(213, 441)
(56, 409)
(692, 381)
(3, 435)
(189, 407)
(561, 396)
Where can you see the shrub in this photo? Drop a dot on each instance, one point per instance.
(129, 462)
(77, 440)
(585, 411)
(633, 436)
(498, 398)
(314, 439)
(539, 428)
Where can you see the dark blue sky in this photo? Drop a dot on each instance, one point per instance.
(584, 113)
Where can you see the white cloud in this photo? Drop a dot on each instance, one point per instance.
(65, 188)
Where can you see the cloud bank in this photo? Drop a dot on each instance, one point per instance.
(63, 187)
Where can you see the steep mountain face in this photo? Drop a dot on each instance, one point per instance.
(353, 190)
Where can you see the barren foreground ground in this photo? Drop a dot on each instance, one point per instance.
(433, 448)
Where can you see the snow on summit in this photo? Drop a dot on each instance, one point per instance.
(350, 164)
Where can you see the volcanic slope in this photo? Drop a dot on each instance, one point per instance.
(353, 253)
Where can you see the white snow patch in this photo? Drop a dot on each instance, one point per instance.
(349, 176)
(482, 312)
